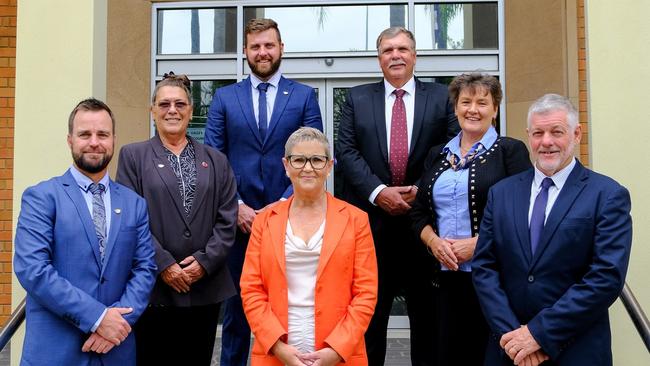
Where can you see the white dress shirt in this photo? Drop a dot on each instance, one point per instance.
(409, 105)
(271, 92)
(559, 179)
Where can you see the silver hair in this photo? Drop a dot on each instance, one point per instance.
(306, 134)
(549, 103)
(393, 32)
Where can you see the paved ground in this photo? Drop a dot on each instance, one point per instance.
(397, 353)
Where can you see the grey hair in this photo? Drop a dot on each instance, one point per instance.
(549, 103)
(393, 32)
(306, 134)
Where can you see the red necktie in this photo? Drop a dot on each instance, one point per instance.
(399, 146)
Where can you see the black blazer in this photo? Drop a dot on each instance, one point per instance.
(209, 231)
(362, 151)
(506, 157)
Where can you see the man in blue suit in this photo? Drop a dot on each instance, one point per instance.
(83, 253)
(553, 251)
(250, 122)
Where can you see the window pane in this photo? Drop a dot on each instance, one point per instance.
(456, 26)
(193, 31)
(202, 92)
(331, 28)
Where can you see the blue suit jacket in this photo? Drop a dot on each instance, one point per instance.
(257, 164)
(563, 291)
(57, 262)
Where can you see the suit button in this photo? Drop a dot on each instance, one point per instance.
(531, 279)
(102, 280)
(187, 233)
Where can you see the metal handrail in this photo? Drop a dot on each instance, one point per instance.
(637, 315)
(632, 306)
(14, 322)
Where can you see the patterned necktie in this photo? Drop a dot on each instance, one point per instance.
(261, 107)
(99, 216)
(539, 214)
(399, 151)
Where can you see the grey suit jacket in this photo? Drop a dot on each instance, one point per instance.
(207, 233)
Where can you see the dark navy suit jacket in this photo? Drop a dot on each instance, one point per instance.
(57, 261)
(563, 291)
(232, 129)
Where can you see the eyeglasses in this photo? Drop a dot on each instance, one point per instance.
(299, 161)
(180, 105)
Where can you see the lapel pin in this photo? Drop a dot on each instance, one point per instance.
(161, 165)
(285, 92)
(117, 211)
(204, 164)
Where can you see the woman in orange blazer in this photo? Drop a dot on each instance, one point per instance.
(309, 282)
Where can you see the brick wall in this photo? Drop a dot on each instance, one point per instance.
(582, 76)
(7, 84)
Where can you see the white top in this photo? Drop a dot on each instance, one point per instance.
(559, 178)
(301, 266)
(409, 105)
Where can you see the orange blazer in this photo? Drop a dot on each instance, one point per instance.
(346, 282)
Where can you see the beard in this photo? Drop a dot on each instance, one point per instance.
(91, 166)
(264, 74)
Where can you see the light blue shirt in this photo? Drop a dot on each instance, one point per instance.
(559, 179)
(450, 196)
(271, 92)
(83, 182)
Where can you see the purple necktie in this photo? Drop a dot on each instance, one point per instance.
(539, 214)
(399, 149)
(261, 107)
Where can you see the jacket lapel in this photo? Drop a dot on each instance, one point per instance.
(202, 177)
(521, 205)
(575, 183)
(167, 175)
(335, 224)
(277, 226)
(116, 220)
(72, 190)
(379, 110)
(418, 116)
(245, 98)
(285, 88)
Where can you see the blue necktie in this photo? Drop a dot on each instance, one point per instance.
(539, 214)
(261, 106)
(99, 216)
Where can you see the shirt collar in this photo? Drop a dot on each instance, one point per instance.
(83, 181)
(489, 137)
(409, 87)
(559, 178)
(274, 80)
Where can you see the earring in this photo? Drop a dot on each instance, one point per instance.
(286, 173)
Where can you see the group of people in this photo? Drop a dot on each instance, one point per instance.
(500, 261)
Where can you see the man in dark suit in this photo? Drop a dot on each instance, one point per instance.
(250, 122)
(385, 133)
(553, 251)
(83, 253)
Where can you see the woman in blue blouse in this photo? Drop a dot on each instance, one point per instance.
(449, 208)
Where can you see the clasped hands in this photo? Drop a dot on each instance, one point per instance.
(396, 200)
(112, 330)
(180, 276)
(452, 252)
(522, 348)
(290, 356)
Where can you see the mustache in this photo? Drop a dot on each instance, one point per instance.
(397, 63)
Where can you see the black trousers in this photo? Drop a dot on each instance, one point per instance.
(462, 330)
(170, 335)
(405, 269)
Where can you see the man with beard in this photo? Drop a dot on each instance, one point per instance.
(250, 122)
(553, 251)
(83, 253)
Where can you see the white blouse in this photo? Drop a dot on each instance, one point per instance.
(301, 266)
